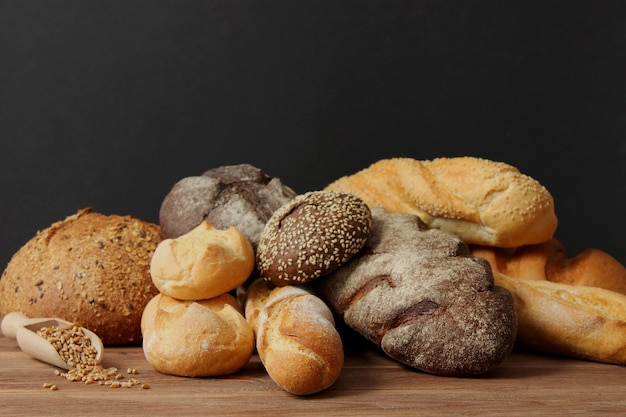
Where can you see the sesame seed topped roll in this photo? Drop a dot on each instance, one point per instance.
(311, 236)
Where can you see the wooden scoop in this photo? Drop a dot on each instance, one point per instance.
(24, 330)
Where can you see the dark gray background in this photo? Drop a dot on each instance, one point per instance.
(108, 104)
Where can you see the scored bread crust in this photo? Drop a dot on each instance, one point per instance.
(417, 294)
(90, 269)
(296, 338)
(577, 321)
(482, 201)
(203, 263)
(196, 338)
(571, 306)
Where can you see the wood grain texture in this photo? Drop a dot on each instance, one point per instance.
(371, 384)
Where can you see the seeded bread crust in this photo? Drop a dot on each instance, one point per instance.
(417, 294)
(312, 236)
(484, 202)
(88, 268)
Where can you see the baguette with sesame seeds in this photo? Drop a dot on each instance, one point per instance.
(481, 201)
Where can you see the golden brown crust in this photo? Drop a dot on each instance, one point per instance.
(88, 268)
(577, 321)
(549, 261)
(203, 263)
(196, 338)
(571, 306)
(481, 201)
(295, 337)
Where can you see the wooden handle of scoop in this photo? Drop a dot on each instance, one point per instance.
(11, 322)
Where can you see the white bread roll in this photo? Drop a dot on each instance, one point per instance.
(196, 338)
(481, 201)
(296, 337)
(203, 263)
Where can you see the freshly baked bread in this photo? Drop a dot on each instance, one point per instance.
(572, 320)
(88, 268)
(481, 201)
(549, 261)
(418, 294)
(296, 336)
(235, 195)
(203, 263)
(196, 338)
(311, 236)
(570, 306)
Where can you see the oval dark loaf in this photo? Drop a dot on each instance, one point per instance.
(419, 295)
(311, 236)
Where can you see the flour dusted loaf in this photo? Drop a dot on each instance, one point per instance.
(196, 338)
(311, 236)
(242, 196)
(89, 268)
(569, 306)
(203, 263)
(296, 336)
(418, 294)
(481, 201)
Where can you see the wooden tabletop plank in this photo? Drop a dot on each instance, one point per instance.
(526, 384)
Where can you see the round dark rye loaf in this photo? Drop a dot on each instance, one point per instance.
(419, 295)
(311, 236)
(242, 196)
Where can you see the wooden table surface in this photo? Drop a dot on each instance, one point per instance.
(371, 384)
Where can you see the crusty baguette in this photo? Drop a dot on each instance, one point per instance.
(481, 201)
(573, 320)
(417, 294)
(549, 261)
(572, 306)
(296, 337)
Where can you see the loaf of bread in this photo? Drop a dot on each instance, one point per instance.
(88, 268)
(419, 295)
(203, 263)
(549, 261)
(568, 306)
(196, 338)
(296, 337)
(242, 196)
(481, 201)
(311, 236)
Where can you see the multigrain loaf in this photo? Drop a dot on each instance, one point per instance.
(296, 336)
(419, 295)
(89, 268)
(311, 236)
(481, 201)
